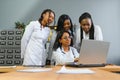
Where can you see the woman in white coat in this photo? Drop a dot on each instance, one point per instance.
(34, 39)
(63, 50)
(87, 30)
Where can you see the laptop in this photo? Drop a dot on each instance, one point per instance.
(93, 53)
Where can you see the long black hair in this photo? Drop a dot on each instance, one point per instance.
(46, 10)
(91, 32)
(59, 36)
(60, 23)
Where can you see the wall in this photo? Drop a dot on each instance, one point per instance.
(104, 12)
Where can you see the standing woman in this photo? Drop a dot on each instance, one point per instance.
(87, 30)
(34, 39)
(64, 23)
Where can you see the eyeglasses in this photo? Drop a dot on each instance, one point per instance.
(69, 37)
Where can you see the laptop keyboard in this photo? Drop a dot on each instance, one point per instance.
(73, 64)
(10, 41)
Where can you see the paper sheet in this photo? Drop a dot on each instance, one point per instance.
(7, 67)
(74, 71)
(35, 70)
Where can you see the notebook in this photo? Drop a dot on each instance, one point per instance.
(93, 53)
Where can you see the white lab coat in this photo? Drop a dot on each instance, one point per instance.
(33, 44)
(61, 57)
(52, 41)
(97, 36)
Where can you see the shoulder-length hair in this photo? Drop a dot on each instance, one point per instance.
(59, 36)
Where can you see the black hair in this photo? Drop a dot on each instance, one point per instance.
(59, 36)
(91, 32)
(60, 23)
(45, 11)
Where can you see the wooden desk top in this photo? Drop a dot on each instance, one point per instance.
(101, 73)
(111, 68)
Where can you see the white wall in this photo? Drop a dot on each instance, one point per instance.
(104, 12)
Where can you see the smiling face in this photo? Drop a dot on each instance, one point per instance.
(51, 18)
(48, 17)
(86, 24)
(67, 24)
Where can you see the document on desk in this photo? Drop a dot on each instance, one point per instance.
(1, 67)
(63, 70)
(35, 70)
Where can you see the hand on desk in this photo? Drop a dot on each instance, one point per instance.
(76, 59)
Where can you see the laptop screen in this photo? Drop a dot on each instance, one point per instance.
(93, 52)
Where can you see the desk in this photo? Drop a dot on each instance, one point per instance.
(101, 73)
(111, 68)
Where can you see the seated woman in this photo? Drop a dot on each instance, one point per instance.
(63, 51)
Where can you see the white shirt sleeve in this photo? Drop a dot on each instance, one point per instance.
(59, 59)
(75, 52)
(98, 33)
(26, 37)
